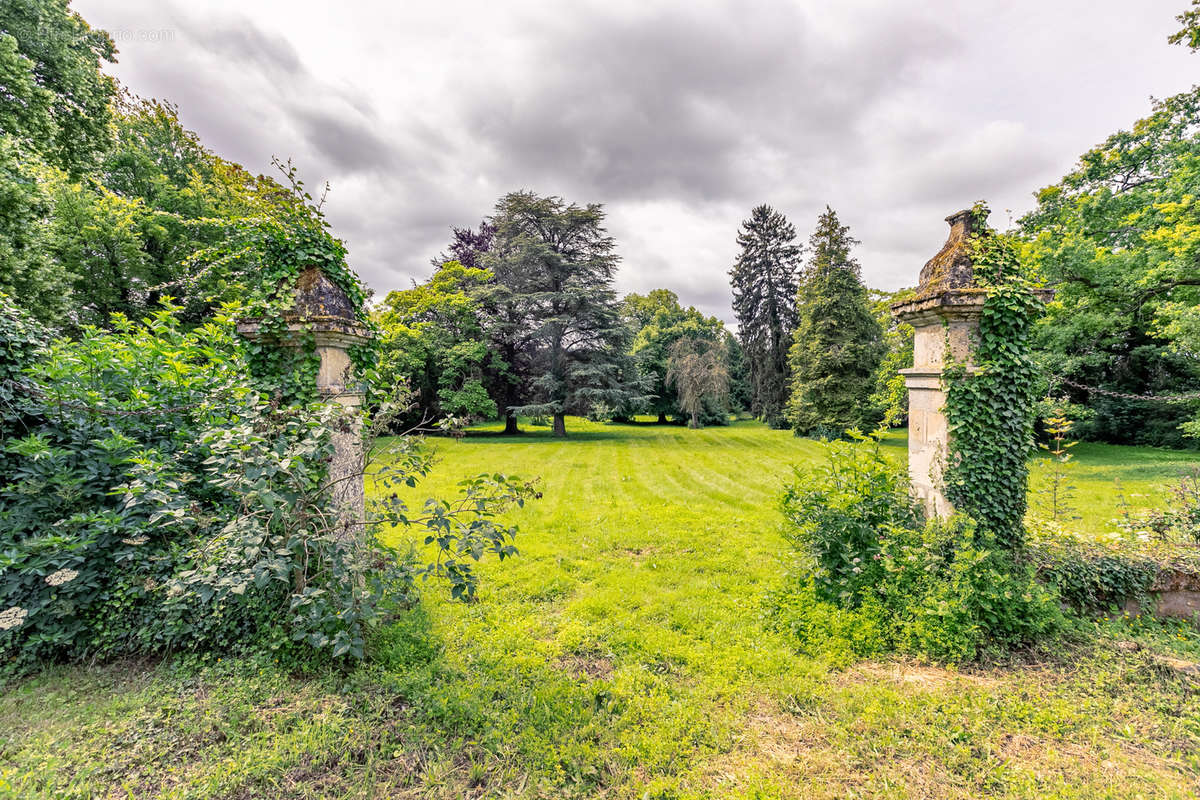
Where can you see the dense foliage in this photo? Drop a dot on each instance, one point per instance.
(990, 410)
(57, 101)
(659, 322)
(153, 499)
(876, 578)
(432, 340)
(838, 344)
(1119, 239)
(764, 302)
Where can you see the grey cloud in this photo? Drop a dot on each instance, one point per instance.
(348, 143)
(693, 104)
(243, 42)
(679, 115)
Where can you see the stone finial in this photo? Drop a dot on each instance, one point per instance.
(951, 268)
(319, 298)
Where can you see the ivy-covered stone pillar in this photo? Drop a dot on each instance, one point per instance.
(323, 319)
(945, 317)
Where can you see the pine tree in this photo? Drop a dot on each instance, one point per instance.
(556, 263)
(838, 343)
(764, 302)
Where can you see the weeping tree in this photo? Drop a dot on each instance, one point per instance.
(700, 376)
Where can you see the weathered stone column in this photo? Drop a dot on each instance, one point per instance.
(323, 311)
(945, 317)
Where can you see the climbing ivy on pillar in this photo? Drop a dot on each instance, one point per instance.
(308, 335)
(989, 407)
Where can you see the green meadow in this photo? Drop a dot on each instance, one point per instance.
(623, 654)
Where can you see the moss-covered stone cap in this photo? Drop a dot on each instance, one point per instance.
(318, 297)
(952, 268)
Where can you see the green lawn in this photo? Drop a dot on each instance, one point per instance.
(622, 655)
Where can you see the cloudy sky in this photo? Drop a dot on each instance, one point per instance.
(677, 116)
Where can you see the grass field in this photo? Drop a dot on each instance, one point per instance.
(622, 655)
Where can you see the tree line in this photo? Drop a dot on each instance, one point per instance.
(108, 204)
(520, 319)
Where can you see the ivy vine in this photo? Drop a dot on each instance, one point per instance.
(271, 249)
(990, 409)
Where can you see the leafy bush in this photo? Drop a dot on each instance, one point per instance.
(839, 511)
(1087, 575)
(153, 500)
(1179, 521)
(880, 579)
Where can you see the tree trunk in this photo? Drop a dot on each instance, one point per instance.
(510, 424)
(695, 420)
(662, 418)
(560, 425)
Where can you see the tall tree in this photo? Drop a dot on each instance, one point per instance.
(658, 322)
(55, 108)
(556, 261)
(838, 343)
(432, 340)
(27, 272)
(764, 302)
(127, 236)
(699, 374)
(1119, 239)
(62, 105)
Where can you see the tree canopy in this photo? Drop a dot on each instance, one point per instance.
(1119, 239)
(658, 322)
(556, 262)
(432, 339)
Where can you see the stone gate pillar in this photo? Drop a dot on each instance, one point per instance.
(323, 311)
(945, 317)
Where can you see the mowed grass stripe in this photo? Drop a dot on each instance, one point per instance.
(623, 655)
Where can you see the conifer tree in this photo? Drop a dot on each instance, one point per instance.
(838, 343)
(764, 302)
(556, 262)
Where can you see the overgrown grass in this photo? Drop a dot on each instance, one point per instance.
(622, 654)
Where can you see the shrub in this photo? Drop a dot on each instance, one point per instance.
(1088, 575)
(839, 510)
(951, 590)
(879, 578)
(154, 500)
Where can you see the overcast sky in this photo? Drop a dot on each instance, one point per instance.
(677, 116)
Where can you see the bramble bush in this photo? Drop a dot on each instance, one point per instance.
(878, 578)
(152, 499)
